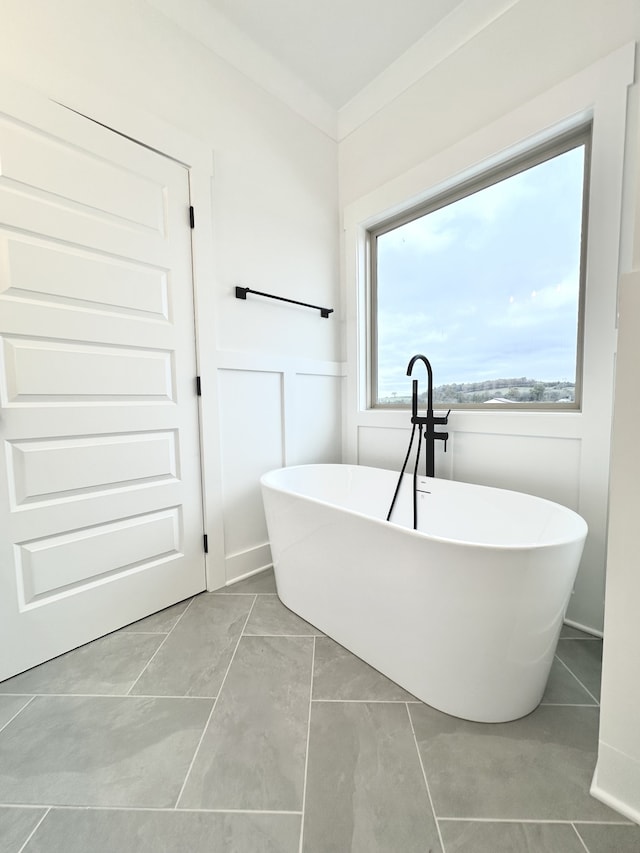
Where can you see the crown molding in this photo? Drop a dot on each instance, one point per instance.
(460, 26)
(202, 22)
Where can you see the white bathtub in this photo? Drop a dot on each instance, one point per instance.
(464, 613)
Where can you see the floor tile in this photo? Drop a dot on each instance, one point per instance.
(119, 761)
(9, 707)
(253, 753)
(16, 825)
(338, 674)
(263, 582)
(539, 767)
(104, 831)
(601, 838)
(158, 623)
(111, 751)
(483, 837)
(108, 666)
(270, 617)
(584, 659)
(194, 659)
(365, 788)
(564, 689)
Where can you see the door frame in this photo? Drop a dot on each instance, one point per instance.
(151, 132)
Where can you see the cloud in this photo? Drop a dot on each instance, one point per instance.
(540, 306)
(405, 328)
(496, 201)
(431, 233)
(438, 230)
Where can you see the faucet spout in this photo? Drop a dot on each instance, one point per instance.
(427, 364)
(429, 421)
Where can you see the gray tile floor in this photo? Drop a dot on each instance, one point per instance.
(228, 724)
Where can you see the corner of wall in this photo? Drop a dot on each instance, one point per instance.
(616, 782)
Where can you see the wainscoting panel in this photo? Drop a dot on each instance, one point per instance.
(545, 466)
(251, 443)
(386, 447)
(316, 434)
(539, 465)
(273, 412)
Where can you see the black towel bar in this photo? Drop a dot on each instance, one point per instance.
(241, 293)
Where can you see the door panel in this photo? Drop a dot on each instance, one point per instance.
(65, 276)
(53, 564)
(60, 172)
(56, 470)
(68, 373)
(100, 496)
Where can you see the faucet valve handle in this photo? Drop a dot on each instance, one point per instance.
(441, 436)
(443, 420)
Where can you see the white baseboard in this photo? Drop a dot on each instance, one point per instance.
(616, 782)
(246, 563)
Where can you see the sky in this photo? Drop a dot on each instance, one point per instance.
(486, 287)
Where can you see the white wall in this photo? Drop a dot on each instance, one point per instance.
(617, 778)
(272, 226)
(536, 67)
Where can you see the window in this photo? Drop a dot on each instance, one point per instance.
(487, 281)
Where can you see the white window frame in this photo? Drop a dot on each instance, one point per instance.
(510, 166)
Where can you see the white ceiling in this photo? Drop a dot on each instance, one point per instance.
(336, 47)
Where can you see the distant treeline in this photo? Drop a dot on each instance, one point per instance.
(490, 385)
(517, 390)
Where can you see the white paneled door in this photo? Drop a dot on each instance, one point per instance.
(100, 495)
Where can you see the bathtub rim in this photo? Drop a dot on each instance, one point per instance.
(265, 481)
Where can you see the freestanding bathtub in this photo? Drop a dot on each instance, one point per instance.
(464, 613)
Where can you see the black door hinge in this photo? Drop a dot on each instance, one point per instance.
(206, 543)
(192, 217)
(198, 386)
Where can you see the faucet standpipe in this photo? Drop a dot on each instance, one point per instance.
(428, 422)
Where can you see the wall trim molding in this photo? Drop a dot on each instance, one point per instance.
(616, 781)
(244, 564)
(215, 31)
(277, 363)
(462, 25)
